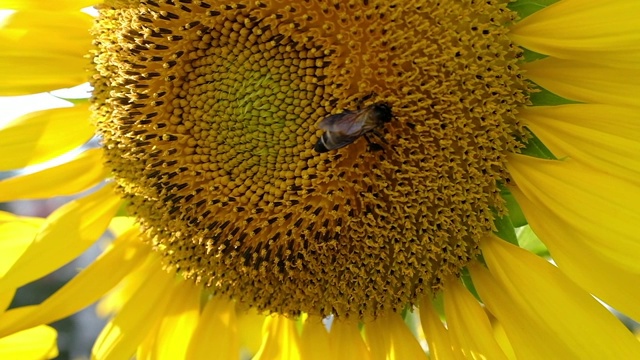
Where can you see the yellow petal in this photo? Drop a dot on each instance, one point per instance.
(586, 82)
(440, 346)
(178, 325)
(34, 343)
(16, 234)
(43, 135)
(81, 291)
(58, 5)
(346, 341)
(314, 342)
(6, 216)
(217, 329)
(121, 224)
(603, 136)
(598, 210)
(69, 178)
(586, 265)
(6, 297)
(43, 51)
(119, 296)
(68, 232)
(280, 339)
(15, 237)
(544, 313)
(604, 32)
(143, 312)
(468, 324)
(146, 349)
(389, 337)
(501, 337)
(250, 329)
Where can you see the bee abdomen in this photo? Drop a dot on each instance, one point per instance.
(320, 145)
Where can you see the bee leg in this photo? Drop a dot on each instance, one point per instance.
(377, 147)
(373, 146)
(380, 136)
(363, 99)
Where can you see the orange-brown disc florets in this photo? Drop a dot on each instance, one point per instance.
(209, 115)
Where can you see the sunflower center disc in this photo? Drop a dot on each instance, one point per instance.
(209, 115)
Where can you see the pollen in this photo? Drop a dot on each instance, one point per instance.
(208, 112)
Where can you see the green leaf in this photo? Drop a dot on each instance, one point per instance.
(406, 312)
(529, 240)
(468, 283)
(411, 319)
(536, 148)
(525, 8)
(515, 212)
(544, 97)
(122, 210)
(74, 101)
(506, 230)
(532, 55)
(438, 304)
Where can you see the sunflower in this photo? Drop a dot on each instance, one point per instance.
(513, 139)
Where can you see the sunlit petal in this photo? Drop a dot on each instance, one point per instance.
(34, 343)
(68, 178)
(521, 288)
(587, 220)
(217, 332)
(440, 346)
(121, 224)
(250, 329)
(605, 137)
(16, 234)
(588, 264)
(43, 135)
(594, 206)
(468, 324)
(578, 31)
(280, 339)
(586, 82)
(389, 337)
(174, 333)
(30, 65)
(314, 342)
(346, 341)
(81, 291)
(67, 232)
(501, 337)
(144, 311)
(59, 5)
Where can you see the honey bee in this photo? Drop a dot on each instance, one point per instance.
(343, 129)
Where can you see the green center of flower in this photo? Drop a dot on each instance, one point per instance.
(210, 111)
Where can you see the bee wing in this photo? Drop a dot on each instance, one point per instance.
(341, 141)
(347, 123)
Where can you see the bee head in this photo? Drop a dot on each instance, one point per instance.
(383, 112)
